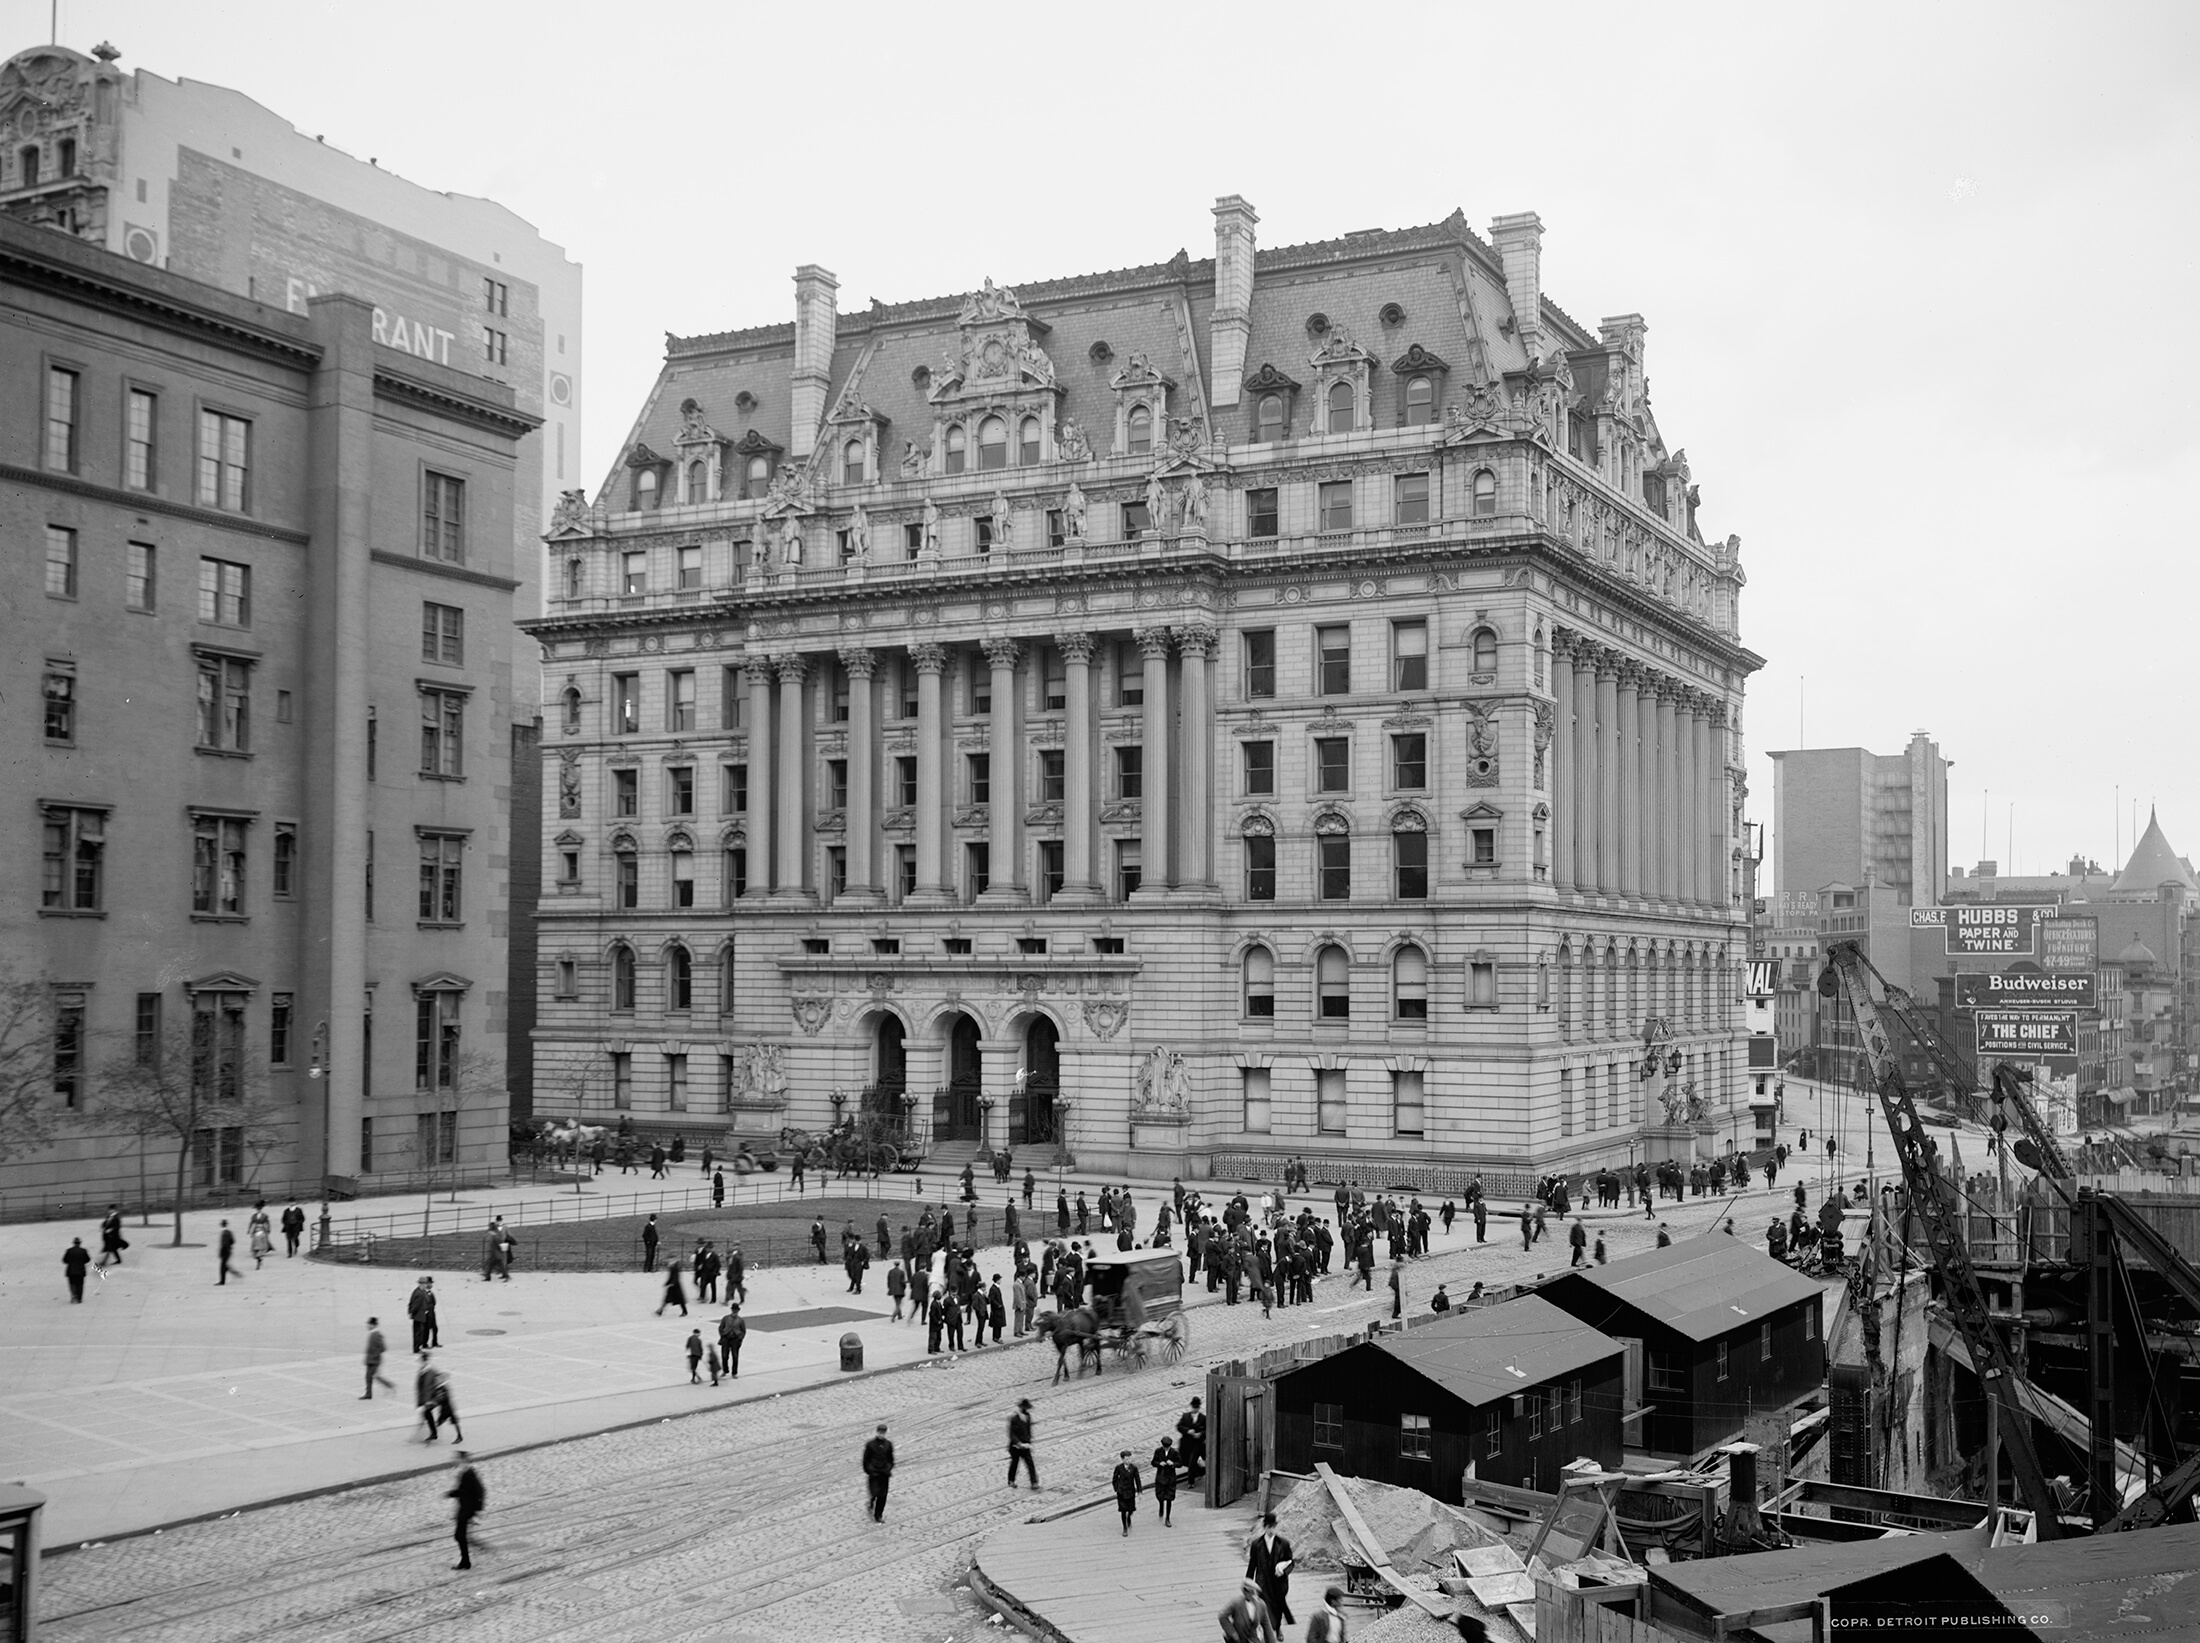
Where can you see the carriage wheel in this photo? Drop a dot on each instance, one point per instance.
(1177, 1339)
(1135, 1350)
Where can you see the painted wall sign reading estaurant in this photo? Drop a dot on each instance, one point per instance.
(407, 336)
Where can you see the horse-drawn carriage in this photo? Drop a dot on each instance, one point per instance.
(1138, 1305)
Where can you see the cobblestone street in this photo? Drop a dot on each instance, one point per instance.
(746, 1522)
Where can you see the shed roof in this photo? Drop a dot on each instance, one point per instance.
(1701, 1288)
(1492, 1352)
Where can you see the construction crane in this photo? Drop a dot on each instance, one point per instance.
(1932, 1198)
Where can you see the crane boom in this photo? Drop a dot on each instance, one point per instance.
(1933, 1196)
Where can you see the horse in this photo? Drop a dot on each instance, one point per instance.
(1079, 1328)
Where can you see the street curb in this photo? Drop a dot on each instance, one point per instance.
(379, 1479)
(1012, 1610)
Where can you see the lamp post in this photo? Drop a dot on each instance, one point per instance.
(317, 1069)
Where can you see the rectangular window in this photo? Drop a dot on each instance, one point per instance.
(1333, 651)
(1329, 1426)
(225, 461)
(1051, 873)
(626, 704)
(145, 1037)
(282, 707)
(1130, 676)
(1485, 847)
(1054, 679)
(836, 784)
(1260, 867)
(60, 420)
(912, 539)
(1534, 1401)
(905, 870)
(842, 684)
(1129, 869)
(622, 1079)
(217, 866)
(729, 698)
(442, 733)
(443, 519)
(279, 1013)
(1057, 529)
(60, 562)
(569, 867)
(366, 1148)
(75, 846)
(737, 874)
(68, 1048)
(905, 779)
(1409, 656)
(1260, 664)
(1332, 764)
(58, 693)
(984, 522)
(436, 1041)
(1409, 499)
(1409, 854)
(569, 979)
(1482, 984)
(977, 870)
(690, 570)
(140, 450)
(1137, 520)
(496, 346)
(626, 792)
(225, 593)
(1329, 1100)
(374, 726)
(138, 583)
(283, 867)
(676, 1082)
(442, 634)
(1130, 772)
(442, 859)
(634, 573)
(1409, 760)
(736, 789)
(1107, 946)
(978, 768)
(1722, 1360)
(496, 296)
(627, 880)
(680, 701)
(1261, 513)
(1336, 868)
(1406, 1102)
(1052, 776)
(836, 869)
(225, 704)
(1336, 505)
(680, 790)
(1493, 1434)
(1260, 767)
(1259, 1103)
(369, 876)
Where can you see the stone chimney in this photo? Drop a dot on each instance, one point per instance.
(816, 323)
(1232, 326)
(1519, 241)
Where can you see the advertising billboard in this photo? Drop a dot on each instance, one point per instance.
(1985, 931)
(2070, 945)
(2071, 990)
(2027, 1032)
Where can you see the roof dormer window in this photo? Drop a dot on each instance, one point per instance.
(992, 443)
(958, 449)
(1138, 437)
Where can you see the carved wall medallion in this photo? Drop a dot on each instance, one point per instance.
(1104, 1017)
(811, 1014)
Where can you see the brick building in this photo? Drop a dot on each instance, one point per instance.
(260, 597)
(204, 181)
(1279, 703)
(1842, 815)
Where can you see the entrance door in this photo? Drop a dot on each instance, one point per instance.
(1042, 1081)
(959, 1108)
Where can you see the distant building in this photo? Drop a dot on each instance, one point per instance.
(262, 789)
(1507, 1394)
(1725, 1331)
(1843, 815)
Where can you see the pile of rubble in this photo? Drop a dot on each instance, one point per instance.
(1418, 1533)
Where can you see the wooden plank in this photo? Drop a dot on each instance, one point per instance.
(1375, 1549)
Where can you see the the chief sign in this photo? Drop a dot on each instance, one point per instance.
(2027, 1032)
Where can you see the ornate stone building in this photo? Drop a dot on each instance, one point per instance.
(1196, 713)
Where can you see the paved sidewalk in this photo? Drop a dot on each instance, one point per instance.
(1093, 1584)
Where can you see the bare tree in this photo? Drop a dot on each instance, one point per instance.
(29, 1109)
(475, 1080)
(189, 1084)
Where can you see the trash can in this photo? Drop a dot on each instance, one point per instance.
(851, 1351)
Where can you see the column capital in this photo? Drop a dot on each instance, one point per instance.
(1715, 711)
(1076, 647)
(791, 668)
(1633, 675)
(860, 661)
(1609, 663)
(1564, 641)
(1201, 641)
(1152, 642)
(929, 658)
(757, 668)
(1001, 653)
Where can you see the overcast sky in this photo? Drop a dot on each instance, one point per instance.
(1919, 278)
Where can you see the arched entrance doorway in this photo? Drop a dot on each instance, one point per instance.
(955, 1103)
(889, 1061)
(1031, 1108)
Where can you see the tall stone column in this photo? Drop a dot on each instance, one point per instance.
(1686, 852)
(862, 814)
(1195, 649)
(1158, 872)
(1562, 759)
(930, 662)
(793, 839)
(1630, 784)
(1004, 762)
(1710, 881)
(1078, 882)
(1669, 882)
(1585, 767)
(758, 671)
(1608, 774)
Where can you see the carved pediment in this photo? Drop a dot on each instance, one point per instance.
(1269, 380)
(570, 519)
(1043, 815)
(753, 443)
(1139, 372)
(1418, 361)
(693, 429)
(1122, 810)
(973, 815)
(898, 821)
(442, 981)
(1482, 811)
(222, 981)
(641, 456)
(1338, 349)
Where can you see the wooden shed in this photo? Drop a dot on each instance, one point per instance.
(1513, 1391)
(1725, 1331)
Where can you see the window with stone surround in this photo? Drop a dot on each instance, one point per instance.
(1259, 1101)
(1260, 982)
(1409, 984)
(1333, 985)
(1409, 859)
(956, 449)
(1260, 860)
(1409, 1113)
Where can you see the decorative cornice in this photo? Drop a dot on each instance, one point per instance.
(146, 502)
(508, 420)
(436, 567)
